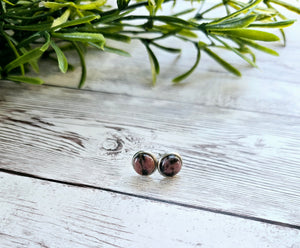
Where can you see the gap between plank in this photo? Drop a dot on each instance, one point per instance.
(151, 198)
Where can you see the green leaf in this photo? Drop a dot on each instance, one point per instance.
(29, 39)
(82, 62)
(36, 27)
(175, 29)
(8, 2)
(57, 6)
(92, 5)
(248, 34)
(76, 22)
(153, 61)
(62, 60)
(235, 51)
(287, 6)
(47, 43)
(13, 48)
(159, 3)
(24, 79)
(187, 33)
(259, 47)
(122, 4)
(184, 12)
(234, 24)
(118, 37)
(25, 58)
(116, 51)
(283, 36)
(115, 16)
(33, 63)
(222, 62)
(280, 24)
(243, 10)
(168, 49)
(186, 74)
(62, 19)
(245, 50)
(80, 36)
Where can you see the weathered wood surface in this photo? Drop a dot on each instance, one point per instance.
(240, 162)
(273, 88)
(239, 138)
(36, 213)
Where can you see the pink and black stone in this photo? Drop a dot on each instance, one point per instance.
(170, 165)
(144, 163)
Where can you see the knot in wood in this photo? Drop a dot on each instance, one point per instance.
(113, 145)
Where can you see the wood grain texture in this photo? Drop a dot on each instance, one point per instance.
(234, 161)
(76, 217)
(273, 88)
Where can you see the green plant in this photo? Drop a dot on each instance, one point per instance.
(31, 29)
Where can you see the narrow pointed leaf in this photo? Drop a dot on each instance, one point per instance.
(29, 39)
(238, 23)
(249, 34)
(82, 37)
(12, 46)
(83, 65)
(91, 6)
(113, 17)
(116, 51)
(153, 61)
(33, 63)
(222, 62)
(32, 55)
(82, 20)
(8, 2)
(287, 6)
(186, 74)
(24, 79)
(243, 10)
(62, 19)
(184, 12)
(122, 4)
(280, 24)
(235, 51)
(168, 49)
(117, 37)
(283, 36)
(62, 60)
(35, 27)
(259, 47)
(25, 58)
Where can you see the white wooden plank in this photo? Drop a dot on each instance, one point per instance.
(234, 161)
(36, 213)
(273, 88)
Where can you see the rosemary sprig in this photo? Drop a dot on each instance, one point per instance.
(31, 29)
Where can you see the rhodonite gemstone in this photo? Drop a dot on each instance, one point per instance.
(170, 165)
(144, 163)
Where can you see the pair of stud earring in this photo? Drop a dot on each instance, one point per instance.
(145, 163)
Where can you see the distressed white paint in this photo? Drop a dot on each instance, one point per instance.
(36, 213)
(236, 161)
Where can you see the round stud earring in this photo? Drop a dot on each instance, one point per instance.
(170, 164)
(144, 163)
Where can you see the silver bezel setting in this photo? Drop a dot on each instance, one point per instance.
(164, 156)
(147, 153)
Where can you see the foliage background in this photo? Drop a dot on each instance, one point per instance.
(31, 30)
